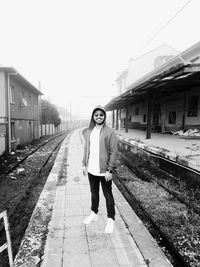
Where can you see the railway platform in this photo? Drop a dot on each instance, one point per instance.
(57, 237)
(185, 152)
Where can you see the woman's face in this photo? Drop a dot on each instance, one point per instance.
(99, 117)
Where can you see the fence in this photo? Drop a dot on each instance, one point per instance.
(47, 129)
(50, 129)
(7, 245)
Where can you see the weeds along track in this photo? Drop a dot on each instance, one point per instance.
(165, 209)
(186, 194)
(21, 187)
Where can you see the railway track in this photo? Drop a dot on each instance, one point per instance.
(166, 186)
(15, 165)
(34, 169)
(134, 186)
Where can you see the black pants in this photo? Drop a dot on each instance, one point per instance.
(107, 191)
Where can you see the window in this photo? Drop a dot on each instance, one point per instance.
(193, 106)
(29, 101)
(21, 94)
(12, 94)
(136, 111)
(172, 117)
(22, 99)
(144, 117)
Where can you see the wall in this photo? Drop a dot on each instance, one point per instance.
(19, 110)
(134, 120)
(2, 138)
(193, 120)
(3, 107)
(121, 82)
(142, 159)
(24, 114)
(47, 129)
(25, 132)
(173, 102)
(3, 96)
(144, 64)
(169, 104)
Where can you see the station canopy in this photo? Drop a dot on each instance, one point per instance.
(179, 77)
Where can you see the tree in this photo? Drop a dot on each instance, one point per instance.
(50, 115)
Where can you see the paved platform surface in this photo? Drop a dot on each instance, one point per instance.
(70, 243)
(183, 147)
(183, 151)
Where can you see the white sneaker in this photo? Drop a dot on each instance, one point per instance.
(109, 226)
(92, 217)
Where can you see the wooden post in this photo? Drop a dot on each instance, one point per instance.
(119, 124)
(184, 109)
(113, 118)
(117, 117)
(148, 130)
(126, 120)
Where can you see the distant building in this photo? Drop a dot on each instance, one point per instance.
(159, 60)
(138, 67)
(19, 110)
(166, 98)
(121, 82)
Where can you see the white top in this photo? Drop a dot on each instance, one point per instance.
(93, 162)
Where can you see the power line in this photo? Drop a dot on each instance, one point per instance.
(164, 26)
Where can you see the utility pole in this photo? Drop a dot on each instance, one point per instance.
(39, 112)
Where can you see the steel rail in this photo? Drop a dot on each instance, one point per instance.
(29, 154)
(11, 211)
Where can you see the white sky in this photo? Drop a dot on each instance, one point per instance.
(76, 47)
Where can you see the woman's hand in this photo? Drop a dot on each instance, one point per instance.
(108, 176)
(84, 170)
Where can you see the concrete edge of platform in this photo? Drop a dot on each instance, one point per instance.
(163, 153)
(29, 253)
(148, 247)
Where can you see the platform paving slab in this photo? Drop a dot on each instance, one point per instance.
(185, 152)
(77, 244)
(70, 243)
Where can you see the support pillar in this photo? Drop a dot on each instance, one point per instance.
(148, 131)
(117, 118)
(113, 118)
(184, 110)
(126, 121)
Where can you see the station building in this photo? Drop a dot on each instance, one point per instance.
(19, 110)
(167, 98)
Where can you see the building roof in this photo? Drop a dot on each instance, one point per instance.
(177, 77)
(174, 74)
(20, 78)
